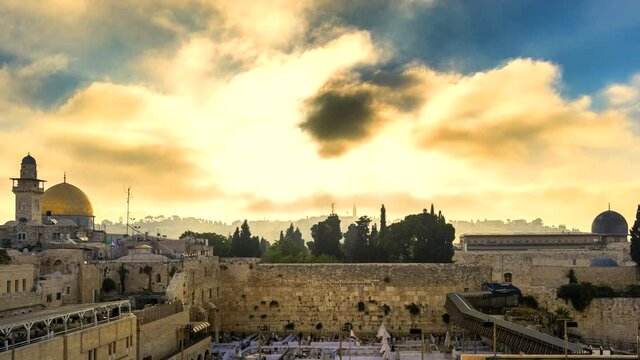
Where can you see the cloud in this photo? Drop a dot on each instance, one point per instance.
(492, 115)
(351, 107)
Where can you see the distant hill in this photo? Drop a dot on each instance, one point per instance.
(173, 226)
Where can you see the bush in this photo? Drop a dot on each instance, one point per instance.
(290, 326)
(582, 294)
(572, 277)
(319, 326)
(361, 306)
(446, 318)
(413, 309)
(274, 303)
(108, 285)
(632, 291)
(530, 302)
(386, 309)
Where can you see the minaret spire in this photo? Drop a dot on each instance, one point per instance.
(65, 176)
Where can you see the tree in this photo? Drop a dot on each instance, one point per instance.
(285, 250)
(423, 238)
(383, 220)
(635, 239)
(326, 237)
(243, 244)
(5, 259)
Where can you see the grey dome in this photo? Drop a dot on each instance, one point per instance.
(28, 160)
(603, 262)
(610, 223)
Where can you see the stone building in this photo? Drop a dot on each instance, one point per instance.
(609, 227)
(62, 216)
(88, 331)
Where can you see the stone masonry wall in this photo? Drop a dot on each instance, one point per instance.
(619, 316)
(307, 295)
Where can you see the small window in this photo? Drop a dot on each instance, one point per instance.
(68, 290)
(17, 285)
(24, 285)
(49, 298)
(8, 286)
(507, 277)
(58, 296)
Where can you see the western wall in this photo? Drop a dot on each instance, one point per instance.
(322, 297)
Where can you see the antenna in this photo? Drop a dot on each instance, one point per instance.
(128, 198)
(333, 207)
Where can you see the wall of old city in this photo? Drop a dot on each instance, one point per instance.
(609, 319)
(310, 296)
(541, 272)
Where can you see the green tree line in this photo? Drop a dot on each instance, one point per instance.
(418, 238)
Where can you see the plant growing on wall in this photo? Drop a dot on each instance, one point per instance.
(446, 318)
(413, 309)
(319, 326)
(108, 285)
(148, 270)
(122, 273)
(290, 326)
(634, 249)
(361, 306)
(386, 309)
(572, 277)
(274, 303)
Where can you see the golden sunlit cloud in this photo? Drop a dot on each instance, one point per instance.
(233, 110)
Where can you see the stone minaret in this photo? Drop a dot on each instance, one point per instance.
(28, 189)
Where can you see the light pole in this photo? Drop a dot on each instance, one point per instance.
(567, 323)
(492, 324)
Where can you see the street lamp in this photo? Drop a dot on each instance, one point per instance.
(567, 323)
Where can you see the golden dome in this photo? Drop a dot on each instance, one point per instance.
(66, 199)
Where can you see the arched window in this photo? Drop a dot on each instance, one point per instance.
(508, 277)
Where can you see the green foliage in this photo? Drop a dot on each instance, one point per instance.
(582, 294)
(108, 285)
(632, 291)
(387, 279)
(421, 238)
(5, 259)
(274, 303)
(243, 244)
(529, 301)
(572, 277)
(122, 273)
(221, 244)
(319, 326)
(361, 306)
(386, 309)
(285, 250)
(413, 309)
(562, 313)
(326, 237)
(446, 318)
(290, 326)
(634, 250)
(263, 316)
(360, 243)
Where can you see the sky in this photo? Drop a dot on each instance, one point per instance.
(277, 109)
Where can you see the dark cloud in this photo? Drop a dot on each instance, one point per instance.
(334, 119)
(348, 109)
